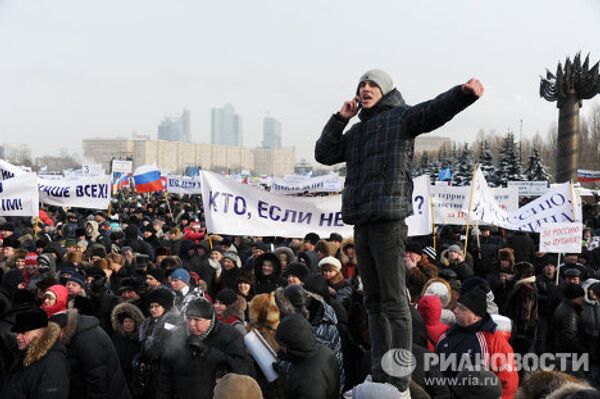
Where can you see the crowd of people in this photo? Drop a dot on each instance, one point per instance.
(141, 302)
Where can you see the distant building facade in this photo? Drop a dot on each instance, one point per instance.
(226, 127)
(271, 133)
(176, 128)
(430, 144)
(175, 157)
(16, 153)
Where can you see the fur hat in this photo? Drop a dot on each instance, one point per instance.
(298, 270)
(163, 297)
(573, 291)
(331, 261)
(506, 254)
(232, 256)
(313, 238)
(540, 384)
(234, 386)
(263, 311)
(226, 296)
(157, 273)
(30, 320)
(200, 308)
(380, 78)
(327, 248)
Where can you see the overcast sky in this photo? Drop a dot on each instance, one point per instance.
(73, 69)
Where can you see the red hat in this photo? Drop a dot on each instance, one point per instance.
(61, 293)
(31, 259)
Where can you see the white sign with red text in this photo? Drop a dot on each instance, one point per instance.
(561, 238)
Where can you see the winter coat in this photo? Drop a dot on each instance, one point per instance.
(549, 296)
(522, 307)
(378, 152)
(566, 328)
(486, 254)
(349, 265)
(40, 371)
(95, 368)
(154, 334)
(343, 292)
(189, 368)
(460, 267)
(430, 308)
(481, 338)
(314, 371)
(425, 377)
(126, 345)
(522, 245)
(590, 317)
(234, 315)
(266, 284)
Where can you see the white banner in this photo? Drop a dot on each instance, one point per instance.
(121, 166)
(419, 223)
(553, 207)
(561, 238)
(8, 170)
(321, 184)
(88, 192)
(448, 202)
(19, 196)
(184, 185)
(530, 188)
(240, 209)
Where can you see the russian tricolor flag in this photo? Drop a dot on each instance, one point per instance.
(122, 181)
(147, 179)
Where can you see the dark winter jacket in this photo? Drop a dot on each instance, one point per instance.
(378, 152)
(40, 371)
(549, 296)
(154, 334)
(590, 317)
(314, 371)
(266, 284)
(486, 254)
(126, 345)
(522, 308)
(522, 245)
(191, 364)
(95, 368)
(567, 329)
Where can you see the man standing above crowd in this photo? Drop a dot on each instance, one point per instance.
(377, 196)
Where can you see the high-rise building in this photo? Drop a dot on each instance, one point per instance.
(271, 133)
(176, 128)
(16, 153)
(226, 127)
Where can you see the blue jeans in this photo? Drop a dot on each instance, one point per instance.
(380, 252)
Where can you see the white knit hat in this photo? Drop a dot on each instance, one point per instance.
(380, 78)
(330, 260)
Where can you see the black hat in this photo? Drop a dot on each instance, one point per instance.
(200, 308)
(296, 295)
(303, 257)
(163, 297)
(157, 273)
(11, 242)
(550, 260)
(476, 301)
(245, 278)
(299, 270)
(7, 227)
(260, 245)
(447, 274)
(98, 251)
(474, 282)
(162, 251)
(573, 291)
(572, 272)
(336, 237)
(226, 296)
(30, 320)
(128, 284)
(414, 246)
(313, 238)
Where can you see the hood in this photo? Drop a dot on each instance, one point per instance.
(345, 258)
(586, 285)
(129, 309)
(492, 308)
(41, 346)
(290, 254)
(430, 308)
(76, 324)
(440, 288)
(93, 231)
(294, 332)
(62, 297)
(258, 273)
(387, 102)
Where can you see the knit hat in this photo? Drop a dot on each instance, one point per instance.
(472, 384)
(429, 251)
(572, 272)
(163, 297)
(77, 278)
(234, 386)
(330, 260)
(200, 308)
(30, 320)
(473, 282)
(336, 237)
(454, 248)
(181, 274)
(313, 238)
(573, 291)
(157, 273)
(232, 257)
(476, 301)
(380, 78)
(226, 296)
(298, 270)
(31, 259)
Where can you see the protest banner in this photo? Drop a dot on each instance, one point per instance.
(297, 185)
(530, 188)
(183, 185)
(448, 202)
(420, 222)
(19, 196)
(561, 238)
(121, 166)
(240, 209)
(8, 170)
(556, 206)
(83, 192)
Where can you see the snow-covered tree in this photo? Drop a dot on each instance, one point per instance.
(508, 167)
(464, 167)
(423, 166)
(535, 169)
(485, 159)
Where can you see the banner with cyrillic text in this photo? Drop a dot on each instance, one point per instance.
(19, 196)
(184, 185)
(448, 202)
(8, 170)
(561, 238)
(240, 209)
(553, 207)
(321, 184)
(90, 192)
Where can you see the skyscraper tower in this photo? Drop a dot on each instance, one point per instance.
(271, 133)
(176, 128)
(226, 126)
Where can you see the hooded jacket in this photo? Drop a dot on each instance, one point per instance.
(40, 371)
(430, 308)
(266, 284)
(378, 152)
(126, 345)
(314, 372)
(590, 317)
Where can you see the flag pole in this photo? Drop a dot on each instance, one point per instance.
(432, 222)
(37, 224)
(572, 194)
(470, 205)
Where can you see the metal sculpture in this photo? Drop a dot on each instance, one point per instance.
(571, 84)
